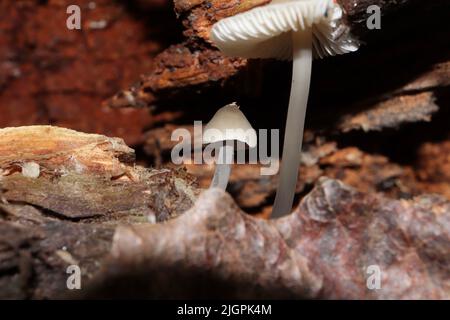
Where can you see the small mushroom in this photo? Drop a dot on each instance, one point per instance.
(227, 125)
(293, 30)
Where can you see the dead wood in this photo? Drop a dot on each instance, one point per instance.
(66, 212)
(196, 64)
(322, 250)
(377, 129)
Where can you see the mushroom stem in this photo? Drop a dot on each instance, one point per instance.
(293, 136)
(223, 167)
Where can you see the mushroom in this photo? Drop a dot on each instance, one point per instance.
(295, 30)
(227, 125)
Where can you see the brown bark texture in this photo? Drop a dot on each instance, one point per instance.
(86, 179)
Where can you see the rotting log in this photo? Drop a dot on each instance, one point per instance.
(66, 211)
(197, 65)
(323, 250)
(52, 75)
(104, 221)
(362, 170)
(87, 185)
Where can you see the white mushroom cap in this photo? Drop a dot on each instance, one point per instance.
(229, 123)
(264, 32)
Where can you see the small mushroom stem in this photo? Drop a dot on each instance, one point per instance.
(293, 136)
(223, 167)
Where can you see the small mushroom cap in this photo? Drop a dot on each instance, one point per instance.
(264, 32)
(229, 123)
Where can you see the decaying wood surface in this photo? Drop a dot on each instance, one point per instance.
(62, 194)
(68, 197)
(88, 204)
(322, 250)
(52, 75)
(398, 77)
(390, 113)
(368, 172)
(85, 176)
